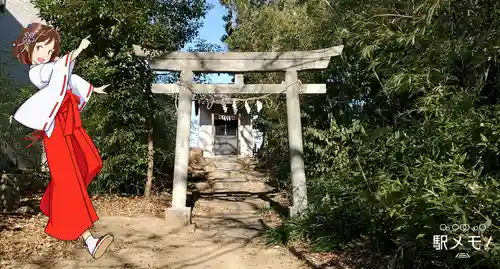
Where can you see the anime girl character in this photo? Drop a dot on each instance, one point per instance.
(54, 112)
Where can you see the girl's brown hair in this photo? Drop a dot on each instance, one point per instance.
(35, 33)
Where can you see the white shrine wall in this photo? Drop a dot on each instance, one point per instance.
(207, 130)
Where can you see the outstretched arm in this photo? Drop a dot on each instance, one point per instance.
(76, 53)
(83, 89)
(83, 45)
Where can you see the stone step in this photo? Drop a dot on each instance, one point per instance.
(235, 179)
(249, 187)
(249, 175)
(229, 206)
(223, 220)
(231, 160)
(230, 227)
(228, 165)
(229, 217)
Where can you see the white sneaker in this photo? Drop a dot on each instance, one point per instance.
(101, 246)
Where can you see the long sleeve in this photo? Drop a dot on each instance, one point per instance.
(82, 89)
(39, 111)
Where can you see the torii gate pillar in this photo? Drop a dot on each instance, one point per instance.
(297, 167)
(179, 214)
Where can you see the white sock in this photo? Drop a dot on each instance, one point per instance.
(91, 243)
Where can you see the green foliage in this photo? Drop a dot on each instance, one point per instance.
(407, 137)
(13, 150)
(121, 121)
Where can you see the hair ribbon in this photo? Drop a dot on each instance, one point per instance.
(28, 39)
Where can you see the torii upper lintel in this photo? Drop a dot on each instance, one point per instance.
(239, 61)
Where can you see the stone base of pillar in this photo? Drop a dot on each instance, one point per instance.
(295, 211)
(178, 217)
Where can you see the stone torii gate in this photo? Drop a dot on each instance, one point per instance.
(237, 62)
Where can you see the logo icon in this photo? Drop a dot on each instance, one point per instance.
(462, 255)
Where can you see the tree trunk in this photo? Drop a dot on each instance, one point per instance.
(149, 182)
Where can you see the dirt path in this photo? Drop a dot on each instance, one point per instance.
(228, 236)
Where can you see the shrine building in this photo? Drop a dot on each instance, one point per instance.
(221, 133)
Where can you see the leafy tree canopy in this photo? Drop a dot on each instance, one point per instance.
(407, 137)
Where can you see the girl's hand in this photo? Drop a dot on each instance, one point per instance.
(101, 89)
(85, 43)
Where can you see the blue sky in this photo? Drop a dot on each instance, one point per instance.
(212, 31)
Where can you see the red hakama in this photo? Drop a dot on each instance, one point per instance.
(73, 162)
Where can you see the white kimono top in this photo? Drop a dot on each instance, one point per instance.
(53, 80)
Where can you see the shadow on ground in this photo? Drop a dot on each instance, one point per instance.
(225, 240)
